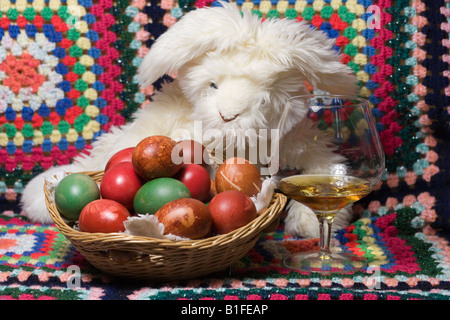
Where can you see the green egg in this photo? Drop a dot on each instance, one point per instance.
(73, 193)
(157, 192)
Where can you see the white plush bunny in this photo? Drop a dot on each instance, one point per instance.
(234, 72)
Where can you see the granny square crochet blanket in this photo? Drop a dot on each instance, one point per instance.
(68, 74)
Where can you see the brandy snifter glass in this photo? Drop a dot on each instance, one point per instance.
(344, 128)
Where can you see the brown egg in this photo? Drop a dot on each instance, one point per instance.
(152, 158)
(238, 174)
(186, 217)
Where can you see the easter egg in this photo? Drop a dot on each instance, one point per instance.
(121, 183)
(73, 192)
(103, 215)
(238, 174)
(231, 210)
(187, 218)
(123, 155)
(196, 179)
(191, 151)
(157, 192)
(152, 158)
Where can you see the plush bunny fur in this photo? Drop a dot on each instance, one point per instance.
(234, 72)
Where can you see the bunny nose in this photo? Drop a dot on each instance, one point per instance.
(227, 119)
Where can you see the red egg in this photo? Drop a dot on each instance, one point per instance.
(152, 158)
(191, 151)
(123, 155)
(121, 183)
(196, 179)
(187, 218)
(231, 210)
(238, 174)
(103, 215)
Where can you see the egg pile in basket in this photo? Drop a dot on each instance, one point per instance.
(205, 225)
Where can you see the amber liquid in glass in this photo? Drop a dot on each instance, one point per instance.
(325, 194)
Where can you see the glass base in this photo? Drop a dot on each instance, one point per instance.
(342, 262)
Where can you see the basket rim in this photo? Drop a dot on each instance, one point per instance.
(258, 224)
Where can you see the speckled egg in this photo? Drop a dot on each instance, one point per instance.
(152, 158)
(238, 174)
(187, 218)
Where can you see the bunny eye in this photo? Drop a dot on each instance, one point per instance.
(213, 85)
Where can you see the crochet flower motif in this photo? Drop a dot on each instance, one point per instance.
(16, 243)
(21, 72)
(27, 72)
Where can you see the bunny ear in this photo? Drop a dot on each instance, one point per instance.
(322, 64)
(292, 45)
(197, 32)
(311, 53)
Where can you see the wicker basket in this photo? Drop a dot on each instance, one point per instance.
(161, 259)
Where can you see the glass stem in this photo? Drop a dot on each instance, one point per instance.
(325, 236)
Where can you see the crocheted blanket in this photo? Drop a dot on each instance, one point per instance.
(37, 262)
(67, 75)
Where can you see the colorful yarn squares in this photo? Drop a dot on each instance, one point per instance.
(392, 244)
(415, 261)
(62, 77)
(28, 244)
(68, 73)
(44, 292)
